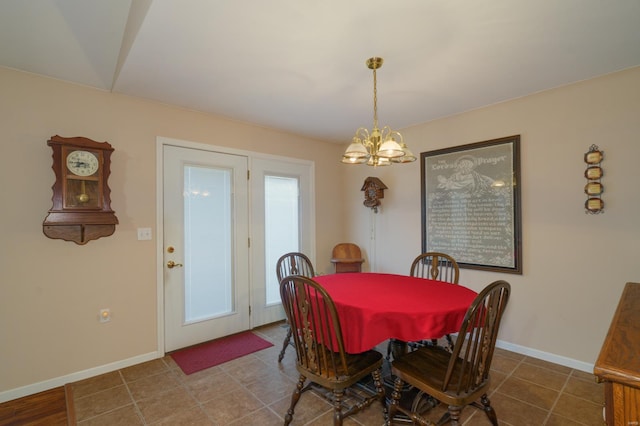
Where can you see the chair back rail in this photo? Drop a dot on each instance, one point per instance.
(294, 263)
(436, 266)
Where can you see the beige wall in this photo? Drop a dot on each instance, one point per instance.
(51, 290)
(575, 265)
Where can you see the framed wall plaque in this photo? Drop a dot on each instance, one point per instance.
(471, 204)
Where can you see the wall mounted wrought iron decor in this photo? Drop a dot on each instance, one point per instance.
(593, 174)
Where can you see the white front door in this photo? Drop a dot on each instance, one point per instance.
(205, 247)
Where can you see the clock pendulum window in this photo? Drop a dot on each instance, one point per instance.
(81, 209)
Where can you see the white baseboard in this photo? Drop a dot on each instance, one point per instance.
(546, 356)
(74, 377)
(85, 374)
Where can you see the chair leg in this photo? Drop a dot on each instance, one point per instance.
(294, 400)
(454, 413)
(488, 409)
(395, 400)
(287, 340)
(337, 406)
(396, 348)
(377, 381)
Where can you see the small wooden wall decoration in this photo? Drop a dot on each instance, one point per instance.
(593, 174)
(373, 192)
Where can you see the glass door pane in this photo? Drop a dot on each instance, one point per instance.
(208, 243)
(282, 227)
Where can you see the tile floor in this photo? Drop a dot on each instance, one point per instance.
(256, 390)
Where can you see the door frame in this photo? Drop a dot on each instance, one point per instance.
(161, 141)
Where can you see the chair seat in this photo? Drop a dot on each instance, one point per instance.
(425, 368)
(358, 366)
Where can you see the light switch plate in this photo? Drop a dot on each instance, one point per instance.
(144, 234)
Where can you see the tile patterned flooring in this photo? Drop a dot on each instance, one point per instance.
(256, 390)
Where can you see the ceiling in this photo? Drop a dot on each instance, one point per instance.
(299, 65)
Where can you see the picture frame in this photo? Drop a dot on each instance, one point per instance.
(471, 209)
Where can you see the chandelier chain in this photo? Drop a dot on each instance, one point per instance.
(375, 100)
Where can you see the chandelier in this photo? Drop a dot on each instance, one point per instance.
(380, 147)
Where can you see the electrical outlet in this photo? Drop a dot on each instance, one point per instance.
(105, 315)
(144, 234)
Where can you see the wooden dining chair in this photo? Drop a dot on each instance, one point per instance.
(461, 377)
(321, 357)
(433, 266)
(436, 266)
(293, 263)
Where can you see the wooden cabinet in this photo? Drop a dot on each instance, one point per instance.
(619, 362)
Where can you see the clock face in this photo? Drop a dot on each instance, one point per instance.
(82, 163)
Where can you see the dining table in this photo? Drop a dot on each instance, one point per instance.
(374, 307)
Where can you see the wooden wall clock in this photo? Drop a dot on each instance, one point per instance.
(373, 192)
(81, 209)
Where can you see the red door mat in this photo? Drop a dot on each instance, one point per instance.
(205, 355)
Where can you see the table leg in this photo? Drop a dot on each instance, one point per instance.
(397, 348)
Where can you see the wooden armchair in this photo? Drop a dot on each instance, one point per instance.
(346, 257)
(321, 357)
(293, 263)
(462, 377)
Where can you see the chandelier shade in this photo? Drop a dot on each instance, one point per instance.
(378, 147)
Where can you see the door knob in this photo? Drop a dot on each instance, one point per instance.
(171, 264)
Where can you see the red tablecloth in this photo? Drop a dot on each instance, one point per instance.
(375, 307)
